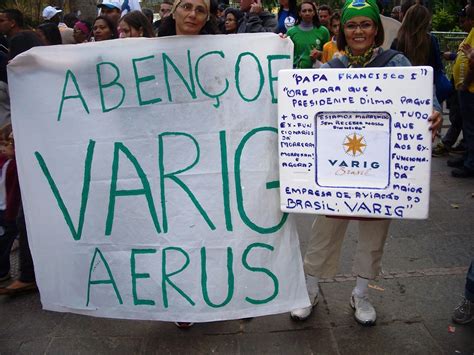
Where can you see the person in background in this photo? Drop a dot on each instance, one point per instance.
(135, 24)
(53, 15)
(324, 14)
(26, 281)
(287, 15)
(463, 74)
(308, 36)
(390, 27)
(11, 22)
(417, 44)
(70, 19)
(330, 48)
(361, 36)
(165, 10)
(49, 34)
(395, 14)
(255, 18)
(233, 17)
(148, 14)
(112, 10)
(464, 312)
(82, 31)
(104, 29)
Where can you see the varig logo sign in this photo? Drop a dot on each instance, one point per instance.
(352, 149)
(354, 145)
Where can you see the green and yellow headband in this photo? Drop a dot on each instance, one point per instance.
(353, 8)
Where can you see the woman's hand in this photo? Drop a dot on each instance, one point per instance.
(436, 119)
(282, 35)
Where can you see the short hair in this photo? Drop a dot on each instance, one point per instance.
(379, 38)
(23, 41)
(168, 2)
(335, 17)
(15, 15)
(51, 32)
(325, 8)
(137, 20)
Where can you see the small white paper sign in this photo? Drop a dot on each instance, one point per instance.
(355, 142)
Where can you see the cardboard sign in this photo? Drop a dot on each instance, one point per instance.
(149, 177)
(355, 142)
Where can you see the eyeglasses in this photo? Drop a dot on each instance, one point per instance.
(200, 11)
(364, 26)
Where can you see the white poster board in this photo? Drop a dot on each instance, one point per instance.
(149, 177)
(355, 142)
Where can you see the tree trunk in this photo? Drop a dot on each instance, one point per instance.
(88, 9)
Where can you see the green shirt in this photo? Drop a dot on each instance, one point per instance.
(304, 42)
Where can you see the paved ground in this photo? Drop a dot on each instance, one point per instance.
(424, 264)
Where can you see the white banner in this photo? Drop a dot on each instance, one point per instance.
(356, 142)
(149, 177)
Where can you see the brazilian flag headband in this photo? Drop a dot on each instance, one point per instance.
(353, 8)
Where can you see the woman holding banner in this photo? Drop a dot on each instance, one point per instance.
(190, 17)
(360, 36)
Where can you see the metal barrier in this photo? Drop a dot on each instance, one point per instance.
(449, 41)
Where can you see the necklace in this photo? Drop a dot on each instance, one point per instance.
(359, 60)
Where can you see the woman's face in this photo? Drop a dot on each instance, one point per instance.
(191, 17)
(126, 30)
(335, 24)
(360, 32)
(79, 36)
(307, 13)
(101, 31)
(230, 23)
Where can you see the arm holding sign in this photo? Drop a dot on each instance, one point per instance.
(361, 36)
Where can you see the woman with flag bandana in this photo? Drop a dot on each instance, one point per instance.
(360, 37)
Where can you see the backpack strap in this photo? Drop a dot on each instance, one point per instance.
(382, 59)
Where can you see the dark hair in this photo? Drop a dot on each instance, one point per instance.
(239, 15)
(379, 37)
(316, 22)
(413, 39)
(15, 15)
(470, 12)
(335, 17)
(148, 14)
(23, 41)
(406, 5)
(110, 25)
(168, 24)
(51, 32)
(138, 20)
(292, 7)
(70, 19)
(325, 8)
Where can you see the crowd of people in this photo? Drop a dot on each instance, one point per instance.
(357, 36)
